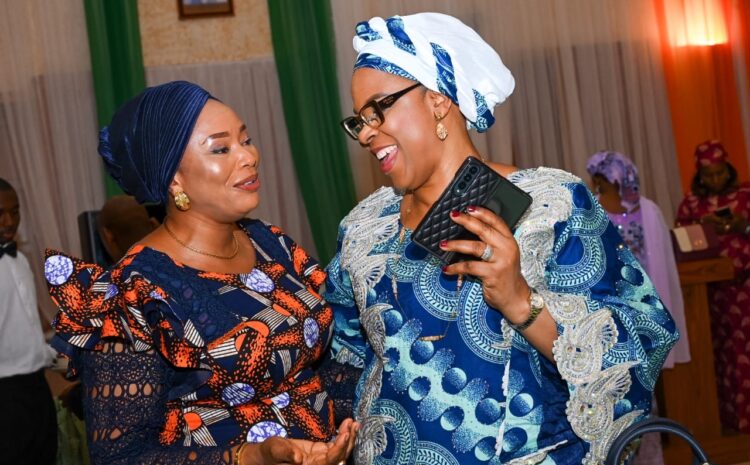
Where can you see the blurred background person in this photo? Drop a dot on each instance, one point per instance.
(28, 432)
(121, 223)
(718, 200)
(641, 225)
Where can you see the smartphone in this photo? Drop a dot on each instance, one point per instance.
(723, 212)
(474, 184)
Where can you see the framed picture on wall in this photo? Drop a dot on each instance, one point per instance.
(201, 8)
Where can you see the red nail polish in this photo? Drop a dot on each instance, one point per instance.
(445, 268)
(471, 208)
(455, 214)
(443, 243)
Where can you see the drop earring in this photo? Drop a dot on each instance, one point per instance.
(440, 130)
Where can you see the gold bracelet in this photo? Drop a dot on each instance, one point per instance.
(238, 454)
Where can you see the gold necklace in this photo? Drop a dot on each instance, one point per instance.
(394, 287)
(222, 257)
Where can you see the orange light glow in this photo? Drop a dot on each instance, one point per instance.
(695, 22)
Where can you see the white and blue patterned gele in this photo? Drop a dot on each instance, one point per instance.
(57, 269)
(264, 430)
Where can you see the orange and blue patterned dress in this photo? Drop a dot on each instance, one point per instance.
(178, 365)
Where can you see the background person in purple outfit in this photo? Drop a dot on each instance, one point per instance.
(639, 221)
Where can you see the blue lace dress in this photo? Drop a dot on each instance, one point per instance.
(473, 391)
(179, 365)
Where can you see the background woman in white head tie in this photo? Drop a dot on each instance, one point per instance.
(546, 345)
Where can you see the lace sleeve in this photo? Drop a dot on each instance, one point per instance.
(614, 331)
(125, 395)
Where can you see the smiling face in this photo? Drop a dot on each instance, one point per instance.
(405, 143)
(219, 170)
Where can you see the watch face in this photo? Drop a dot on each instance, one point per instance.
(536, 300)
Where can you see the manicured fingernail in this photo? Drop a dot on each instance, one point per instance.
(445, 268)
(455, 214)
(471, 208)
(443, 244)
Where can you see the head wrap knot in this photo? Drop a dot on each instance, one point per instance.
(144, 143)
(617, 169)
(708, 153)
(444, 55)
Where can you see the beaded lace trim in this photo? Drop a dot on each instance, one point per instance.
(585, 337)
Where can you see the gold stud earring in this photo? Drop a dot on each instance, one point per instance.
(182, 201)
(440, 129)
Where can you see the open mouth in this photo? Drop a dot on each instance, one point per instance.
(387, 158)
(250, 184)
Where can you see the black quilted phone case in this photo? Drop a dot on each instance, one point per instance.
(474, 184)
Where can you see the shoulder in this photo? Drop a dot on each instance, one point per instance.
(554, 190)
(542, 177)
(382, 202)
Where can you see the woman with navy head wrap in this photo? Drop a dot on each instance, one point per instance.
(542, 348)
(199, 345)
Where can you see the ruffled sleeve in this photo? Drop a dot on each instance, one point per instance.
(113, 326)
(86, 300)
(97, 305)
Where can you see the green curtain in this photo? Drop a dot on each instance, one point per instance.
(116, 59)
(302, 34)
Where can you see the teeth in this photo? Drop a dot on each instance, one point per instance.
(384, 152)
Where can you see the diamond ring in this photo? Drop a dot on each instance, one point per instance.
(487, 253)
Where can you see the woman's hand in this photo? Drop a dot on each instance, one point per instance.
(274, 450)
(736, 224)
(505, 289)
(282, 451)
(725, 225)
(334, 452)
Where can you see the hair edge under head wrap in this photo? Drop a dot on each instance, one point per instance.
(444, 55)
(144, 143)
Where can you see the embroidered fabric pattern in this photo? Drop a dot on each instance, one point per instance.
(366, 228)
(411, 393)
(586, 337)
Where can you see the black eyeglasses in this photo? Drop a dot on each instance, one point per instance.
(371, 113)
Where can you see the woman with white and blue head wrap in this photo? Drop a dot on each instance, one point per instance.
(526, 352)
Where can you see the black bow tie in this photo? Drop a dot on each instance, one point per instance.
(11, 248)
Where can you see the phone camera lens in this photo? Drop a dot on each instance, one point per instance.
(473, 170)
(467, 178)
(462, 185)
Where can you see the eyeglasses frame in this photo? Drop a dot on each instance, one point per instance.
(379, 106)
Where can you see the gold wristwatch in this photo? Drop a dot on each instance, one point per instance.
(536, 302)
